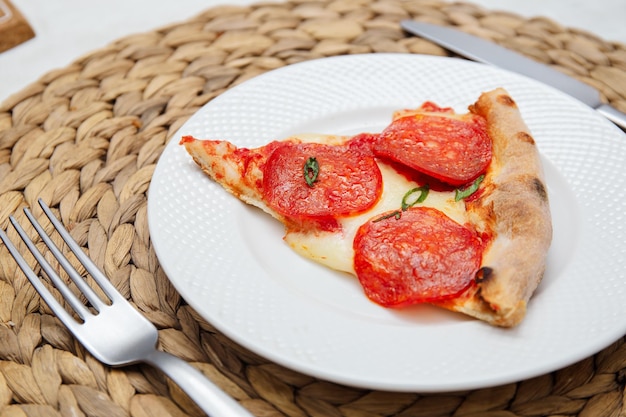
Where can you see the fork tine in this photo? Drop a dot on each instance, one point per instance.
(47, 296)
(91, 296)
(89, 265)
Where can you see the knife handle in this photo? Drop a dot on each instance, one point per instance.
(613, 115)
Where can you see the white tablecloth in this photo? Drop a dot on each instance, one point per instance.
(68, 29)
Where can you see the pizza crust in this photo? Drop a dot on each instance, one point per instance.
(514, 207)
(217, 160)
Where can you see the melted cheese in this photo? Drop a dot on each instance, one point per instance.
(334, 249)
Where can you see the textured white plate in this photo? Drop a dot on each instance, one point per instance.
(229, 262)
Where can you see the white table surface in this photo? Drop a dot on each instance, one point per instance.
(67, 29)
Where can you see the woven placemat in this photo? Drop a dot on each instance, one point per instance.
(86, 138)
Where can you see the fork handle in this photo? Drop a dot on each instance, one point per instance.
(208, 396)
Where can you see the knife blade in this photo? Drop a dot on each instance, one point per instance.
(481, 50)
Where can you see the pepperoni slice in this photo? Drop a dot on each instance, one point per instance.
(452, 150)
(422, 256)
(429, 106)
(348, 180)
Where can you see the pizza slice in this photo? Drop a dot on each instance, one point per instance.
(441, 208)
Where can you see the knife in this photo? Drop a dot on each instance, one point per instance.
(480, 50)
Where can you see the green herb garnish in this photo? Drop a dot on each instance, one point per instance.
(409, 199)
(311, 171)
(460, 194)
(397, 214)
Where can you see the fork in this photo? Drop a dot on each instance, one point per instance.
(116, 334)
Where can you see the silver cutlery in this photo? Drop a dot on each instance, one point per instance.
(113, 331)
(481, 50)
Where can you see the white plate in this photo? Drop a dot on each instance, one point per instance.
(229, 261)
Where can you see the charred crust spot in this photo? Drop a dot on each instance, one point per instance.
(525, 137)
(483, 275)
(506, 100)
(539, 188)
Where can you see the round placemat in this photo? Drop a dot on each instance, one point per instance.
(86, 138)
